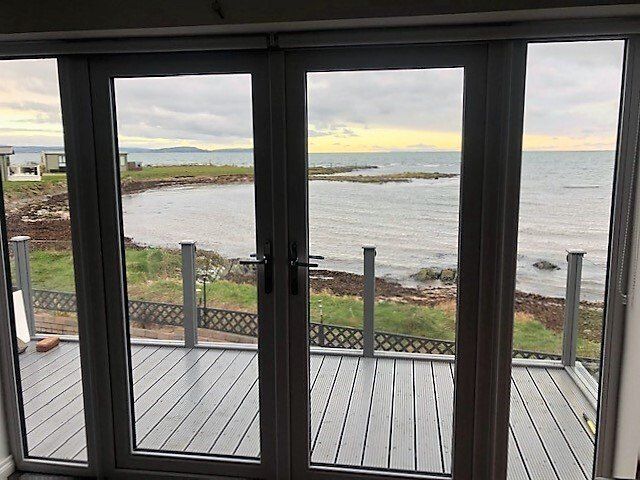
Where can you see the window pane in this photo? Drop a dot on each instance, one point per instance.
(34, 181)
(384, 184)
(188, 203)
(571, 117)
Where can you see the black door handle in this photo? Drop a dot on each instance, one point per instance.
(295, 264)
(267, 261)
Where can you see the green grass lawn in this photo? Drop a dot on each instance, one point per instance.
(177, 171)
(52, 182)
(154, 275)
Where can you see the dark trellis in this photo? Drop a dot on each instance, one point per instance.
(245, 323)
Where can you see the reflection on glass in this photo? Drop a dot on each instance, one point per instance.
(384, 182)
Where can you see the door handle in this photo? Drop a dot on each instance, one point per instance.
(295, 264)
(267, 261)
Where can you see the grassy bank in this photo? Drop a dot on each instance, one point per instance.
(55, 183)
(50, 183)
(181, 171)
(213, 171)
(154, 275)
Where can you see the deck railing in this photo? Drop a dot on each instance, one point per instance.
(191, 316)
(246, 324)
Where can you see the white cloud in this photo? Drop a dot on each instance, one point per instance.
(573, 92)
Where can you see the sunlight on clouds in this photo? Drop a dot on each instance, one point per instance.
(568, 143)
(378, 139)
(164, 142)
(30, 103)
(572, 101)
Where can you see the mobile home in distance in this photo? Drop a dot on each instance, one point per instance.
(55, 162)
(5, 155)
(17, 173)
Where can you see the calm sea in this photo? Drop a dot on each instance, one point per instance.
(565, 204)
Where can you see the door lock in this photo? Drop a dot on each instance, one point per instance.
(267, 261)
(295, 264)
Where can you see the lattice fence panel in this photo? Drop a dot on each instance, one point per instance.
(153, 312)
(535, 355)
(335, 336)
(58, 301)
(393, 342)
(231, 321)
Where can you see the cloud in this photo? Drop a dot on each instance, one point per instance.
(412, 99)
(572, 102)
(573, 90)
(209, 110)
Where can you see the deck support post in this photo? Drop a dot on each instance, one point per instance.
(572, 307)
(368, 333)
(20, 247)
(189, 300)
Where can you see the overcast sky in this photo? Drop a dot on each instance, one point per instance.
(572, 102)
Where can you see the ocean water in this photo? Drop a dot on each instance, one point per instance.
(565, 204)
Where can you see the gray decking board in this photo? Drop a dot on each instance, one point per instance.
(427, 434)
(574, 397)
(556, 445)
(181, 437)
(231, 437)
(180, 410)
(578, 439)
(515, 467)
(376, 445)
(372, 412)
(402, 455)
(321, 391)
(250, 444)
(443, 384)
(326, 443)
(533, 453)
(174, 392)
(220, 416)
(351, 447)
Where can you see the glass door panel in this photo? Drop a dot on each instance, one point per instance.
(188, 210)
(384, 185)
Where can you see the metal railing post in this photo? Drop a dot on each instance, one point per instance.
(572, 307)
(189, 300)
(20, 247)
(368, 334)
(321, 336)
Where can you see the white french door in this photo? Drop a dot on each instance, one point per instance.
(359, 409)
(196, 403)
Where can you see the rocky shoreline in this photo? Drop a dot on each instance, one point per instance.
(45, 218)
(548, 310)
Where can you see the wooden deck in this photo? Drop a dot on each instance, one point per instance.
(377, 413)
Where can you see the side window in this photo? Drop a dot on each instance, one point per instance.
(571, 118)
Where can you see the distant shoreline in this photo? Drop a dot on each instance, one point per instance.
(182, 149)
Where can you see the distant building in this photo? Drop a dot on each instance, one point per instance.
(17, 173)
(53, 162)
(56, 162)
(5, 154)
